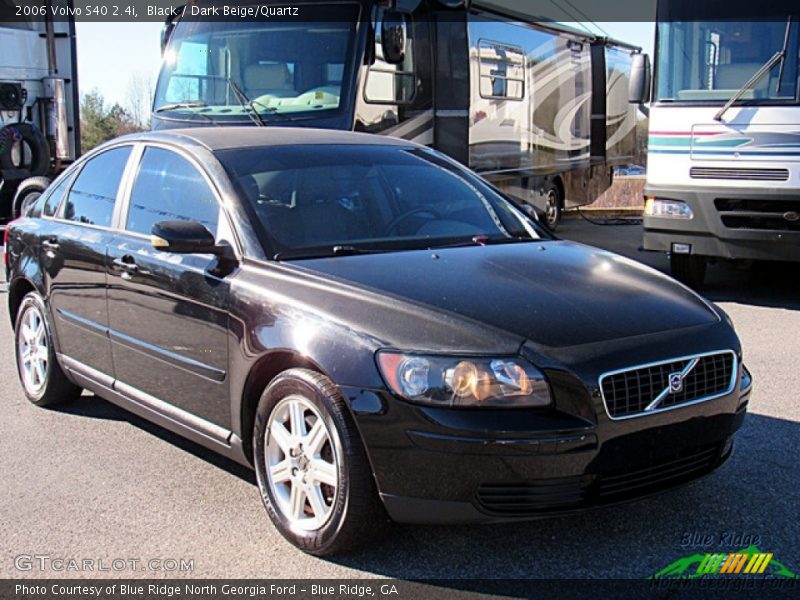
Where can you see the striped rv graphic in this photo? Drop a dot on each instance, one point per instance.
(418, 129)
(726, 142)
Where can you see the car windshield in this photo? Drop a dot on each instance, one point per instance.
(334, 199)
(223, 70)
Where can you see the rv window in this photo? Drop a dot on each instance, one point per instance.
(392, 84)
(502, 70)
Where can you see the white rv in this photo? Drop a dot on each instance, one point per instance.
(538, 109)
(723, 166)
(38, 105)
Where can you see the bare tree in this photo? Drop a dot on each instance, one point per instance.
(140, 98)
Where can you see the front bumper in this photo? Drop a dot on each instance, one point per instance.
(438, 465)
(730, 223)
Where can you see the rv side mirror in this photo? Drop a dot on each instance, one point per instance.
(639, 83)
(393, 37)
(169, 26)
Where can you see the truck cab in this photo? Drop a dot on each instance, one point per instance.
(39, 120)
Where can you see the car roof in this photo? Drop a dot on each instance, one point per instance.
(228, 138)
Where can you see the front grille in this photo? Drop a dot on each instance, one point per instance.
(656, 475)
(531, 497)
(739, 174)
(775, 215)
(633, 392)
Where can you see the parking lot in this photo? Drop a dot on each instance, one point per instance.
(91, 481)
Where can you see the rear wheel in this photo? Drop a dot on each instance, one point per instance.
(688, 268)
(311, 467)
(43, 381)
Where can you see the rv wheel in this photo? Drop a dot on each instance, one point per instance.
(553, 206)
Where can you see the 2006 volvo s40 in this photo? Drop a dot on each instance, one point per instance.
(372, 327)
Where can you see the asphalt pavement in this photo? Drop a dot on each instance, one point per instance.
(92, 482)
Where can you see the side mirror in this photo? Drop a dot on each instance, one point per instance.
(639, 82)
(393, 37)
(184, 237)
(169, 26)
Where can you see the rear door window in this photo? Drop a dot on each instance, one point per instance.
(53, 198)
(91, 198)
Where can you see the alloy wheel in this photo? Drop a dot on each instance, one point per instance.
(33, 350)
(301, 461)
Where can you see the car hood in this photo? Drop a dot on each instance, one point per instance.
(552, 293)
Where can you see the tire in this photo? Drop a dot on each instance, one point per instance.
(30, 136)
(688, 268)
(45, 384)
(553, 206)
(27, 194)
(318, 490)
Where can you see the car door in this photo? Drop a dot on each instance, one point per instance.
(168, 313)
(74, 258)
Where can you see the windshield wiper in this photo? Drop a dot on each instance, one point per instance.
(326, 252)
(178, 105)
(485, 240)
(246, 103)
(785, 53)
(780, 55)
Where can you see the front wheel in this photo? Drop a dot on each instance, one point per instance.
(312, 469)
(43, 381)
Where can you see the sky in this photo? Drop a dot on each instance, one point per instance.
(110, 55)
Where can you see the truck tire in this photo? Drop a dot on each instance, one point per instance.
(27, 194)
(688, 268)
(37, 148)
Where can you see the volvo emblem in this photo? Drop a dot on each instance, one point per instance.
(675, 383)
(791, 216)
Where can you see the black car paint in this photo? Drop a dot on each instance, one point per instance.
(575, 312)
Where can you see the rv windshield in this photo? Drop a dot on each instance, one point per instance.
(281, 67)
(707, 61)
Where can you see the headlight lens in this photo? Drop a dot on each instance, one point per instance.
(673, 209)
(464, 381)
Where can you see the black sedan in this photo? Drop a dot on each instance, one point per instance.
(372, 327)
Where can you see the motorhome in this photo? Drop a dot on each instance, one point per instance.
(38, 105)
(539, 109)
(723, 165)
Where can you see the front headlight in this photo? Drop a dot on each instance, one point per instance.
(673, 209)
(464, 381)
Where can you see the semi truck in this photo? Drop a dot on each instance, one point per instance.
(539, 109)
(39, 122)
(723, 164)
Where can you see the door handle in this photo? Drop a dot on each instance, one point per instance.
(50, 244)
(126, 263)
